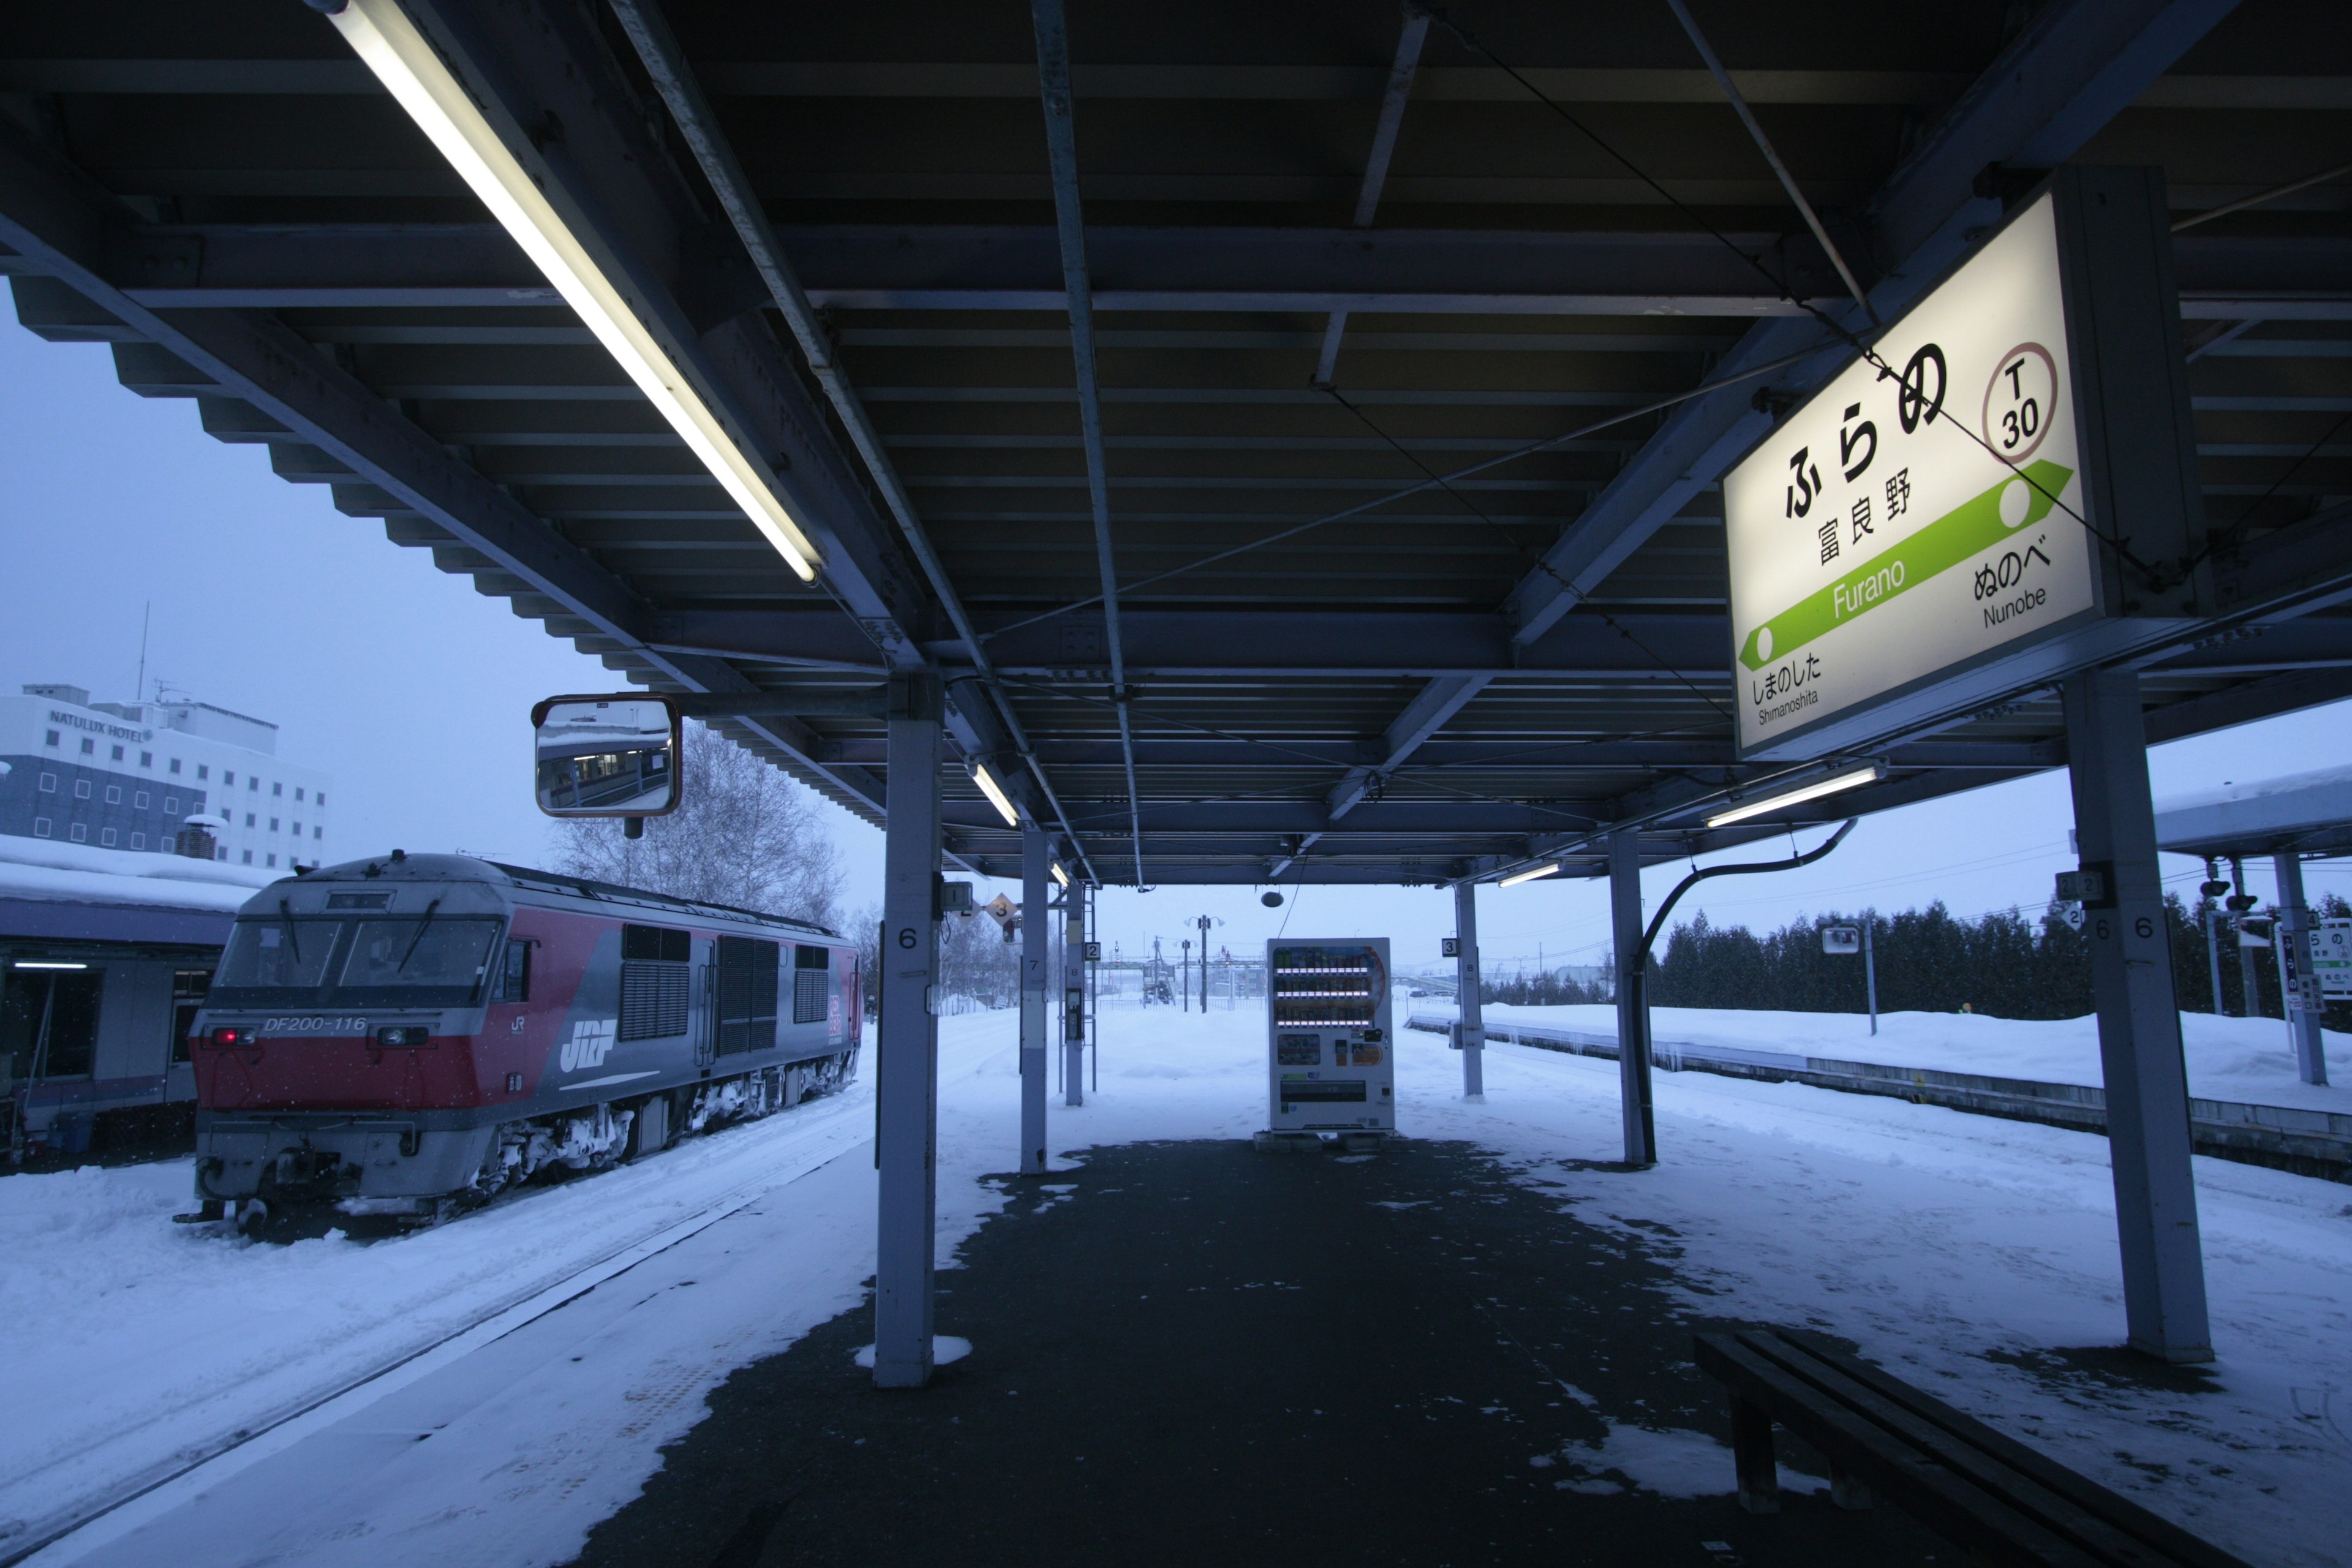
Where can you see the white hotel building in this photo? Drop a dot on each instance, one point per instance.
(133, 775)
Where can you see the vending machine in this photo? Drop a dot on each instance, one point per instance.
(1331, 1049)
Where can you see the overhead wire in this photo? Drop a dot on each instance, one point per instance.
(1537, 560)
(1868, 353)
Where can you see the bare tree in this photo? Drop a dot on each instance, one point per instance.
(976, 961)
(745, 835)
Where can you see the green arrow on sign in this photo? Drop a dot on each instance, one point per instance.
(1967, 530)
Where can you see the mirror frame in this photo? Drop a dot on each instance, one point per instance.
(539, 711)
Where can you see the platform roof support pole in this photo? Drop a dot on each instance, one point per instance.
(1036, 997)
(2140, 1025)
(2298, 986)
(1465, 991)
(907, 1073)
(1073, 995)
(1633, 997)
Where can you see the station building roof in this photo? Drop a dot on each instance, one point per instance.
(2301, 812)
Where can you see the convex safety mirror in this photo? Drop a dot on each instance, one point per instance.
(606, 757)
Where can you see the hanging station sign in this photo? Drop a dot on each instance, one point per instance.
(1939, 525)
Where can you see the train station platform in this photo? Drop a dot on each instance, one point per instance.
(1470, 1348)
(1193, 1352)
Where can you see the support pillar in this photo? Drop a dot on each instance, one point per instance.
(906, 1080)
(1073, 995)
(2140, 1023)
(1633, 997)
(2298, 982)
(1036, 997)
(2250, 988)
(1472, 1025)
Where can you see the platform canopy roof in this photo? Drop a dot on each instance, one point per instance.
(1123, 373)
(2302, 813)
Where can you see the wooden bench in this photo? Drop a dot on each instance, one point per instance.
(1994, 1496)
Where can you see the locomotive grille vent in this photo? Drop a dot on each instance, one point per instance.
(653, 1000)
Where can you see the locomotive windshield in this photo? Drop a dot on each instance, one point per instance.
(421, 961)
(391, 961)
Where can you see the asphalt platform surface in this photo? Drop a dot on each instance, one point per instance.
(1198, 1353)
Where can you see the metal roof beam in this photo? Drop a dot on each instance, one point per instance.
(2288, 571)
(993, 720)
(2077, 64)
(1376, 166)
(1004, 268)
(1061, 156)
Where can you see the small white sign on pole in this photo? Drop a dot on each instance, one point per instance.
(2331, 957)
(1846, 940)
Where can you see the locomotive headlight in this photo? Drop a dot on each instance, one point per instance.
(388, 41)
(232, 1037)
(401, 1034)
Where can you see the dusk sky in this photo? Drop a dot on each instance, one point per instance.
(413, 692)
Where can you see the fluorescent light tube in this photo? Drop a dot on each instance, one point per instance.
(1059, 875)
(995, 794)
(413, 71)
(37, 964)
(1852, 778)
(1516, 877)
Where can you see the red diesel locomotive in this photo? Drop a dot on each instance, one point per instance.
(406, 1035)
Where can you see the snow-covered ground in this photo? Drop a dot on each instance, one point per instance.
(2243, 1059)
(1950, 1246)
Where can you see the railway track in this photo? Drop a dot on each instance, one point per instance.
(834, 1124)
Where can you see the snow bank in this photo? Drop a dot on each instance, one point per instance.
(2243, 1059)
(83, 873)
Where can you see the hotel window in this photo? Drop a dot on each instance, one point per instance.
(273, 824)
(226, 778)
(318, 833)
(175, 765)
(117, 751)
(52, 738)
(106, 836)
(139, 801)
(322, 797)
(273, 859)
(115, 794)
(89, 746)
(139, 841)
(249, 858)
(78, 834)
(146, 759)
(298, 792)
(40, 828)
(203, 770)
(81, 789)
(223, 814)
(248, 819)
(171, 805)
(297, 830)
(48, 783)
(278, 789)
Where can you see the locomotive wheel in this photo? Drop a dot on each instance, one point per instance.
(251, 1216)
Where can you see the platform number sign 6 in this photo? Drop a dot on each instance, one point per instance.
(2020, 401)
(906, 936)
